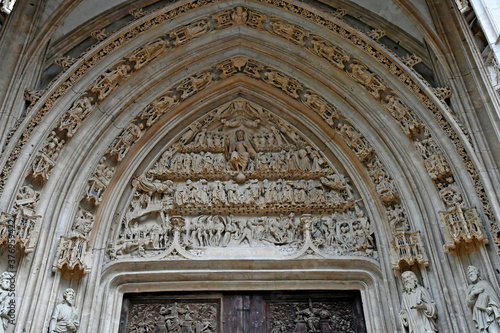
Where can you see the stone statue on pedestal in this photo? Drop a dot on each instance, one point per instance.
(65, 316)
(418, 310)
(484, 302)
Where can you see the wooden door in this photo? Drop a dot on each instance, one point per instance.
(243, 312)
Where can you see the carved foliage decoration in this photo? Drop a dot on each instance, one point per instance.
(462, 227)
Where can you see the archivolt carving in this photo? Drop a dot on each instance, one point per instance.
(73, 256)
(20, 228)
(360, 73)
(47, 157)
(243, 178)
(240, 15)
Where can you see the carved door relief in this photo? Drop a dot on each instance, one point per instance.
(244, 312)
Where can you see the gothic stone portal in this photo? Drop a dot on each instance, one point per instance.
(242, 312)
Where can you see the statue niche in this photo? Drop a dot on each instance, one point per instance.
(242, 178)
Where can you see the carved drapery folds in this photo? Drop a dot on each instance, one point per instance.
(462, 226)
(407, 250)
(73, 256)
(20, 228)
(242, 178)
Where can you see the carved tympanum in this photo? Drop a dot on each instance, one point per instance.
(241, 177)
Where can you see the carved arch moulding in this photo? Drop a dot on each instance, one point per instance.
(437, 166)
(242, 178)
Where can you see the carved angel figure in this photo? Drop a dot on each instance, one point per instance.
(418, 310)
(484, 302)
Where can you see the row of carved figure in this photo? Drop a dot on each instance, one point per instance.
(418, 310)
(204, 163)
(337, 234)
(331, 193)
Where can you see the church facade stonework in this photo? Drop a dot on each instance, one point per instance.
(249, 166)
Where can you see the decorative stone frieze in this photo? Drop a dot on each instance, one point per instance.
(407, 250)
(462, 226)
(73, 257)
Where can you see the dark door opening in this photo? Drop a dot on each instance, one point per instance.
(243, 312)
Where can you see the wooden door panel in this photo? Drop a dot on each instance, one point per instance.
(244, 312)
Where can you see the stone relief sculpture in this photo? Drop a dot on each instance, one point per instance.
(46, 158)
(65, 316)
(175, 316)
(22, 224)
(241, 177)
(418, 310)
(73, 254)
(484, 302)
(7, 311)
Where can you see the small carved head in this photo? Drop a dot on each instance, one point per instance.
(69, 296)
(240, 135)
(6, 279)
(410, 281)
(474, 274)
